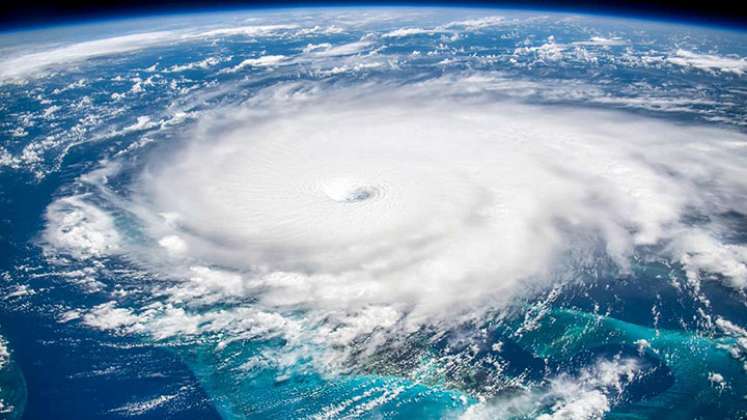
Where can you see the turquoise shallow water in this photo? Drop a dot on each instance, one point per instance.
(674, 382)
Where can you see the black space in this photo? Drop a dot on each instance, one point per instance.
(19, 14)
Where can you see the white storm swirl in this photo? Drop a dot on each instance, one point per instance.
(425, 201)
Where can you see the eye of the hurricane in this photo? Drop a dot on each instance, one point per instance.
(346, 191)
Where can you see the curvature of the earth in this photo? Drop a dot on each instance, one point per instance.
(372, 212)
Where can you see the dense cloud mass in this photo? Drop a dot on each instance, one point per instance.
(423, 200)
(415, 185)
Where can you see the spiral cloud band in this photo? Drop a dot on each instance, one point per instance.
(424, 200)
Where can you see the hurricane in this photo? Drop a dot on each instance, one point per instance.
(334, 215)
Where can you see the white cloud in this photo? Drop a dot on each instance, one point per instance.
(602, 42)
(586, 396)
(109, 317)
(343, 49)
(402, 32)
(264, 61)
(52, 58)
(143, 122)
(709, 62)
(451, 27)
(173, 244)
(478, 23)
(249, 30)
(314, 47)
(139, 408)
(700, 252)
(36, 63)
(202, 64)
(80, 229)
(4, 353)
(325, 30)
